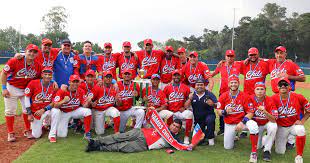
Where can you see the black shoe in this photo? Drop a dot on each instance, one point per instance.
(267, 156)
(243, 135)
(92, 146)
(290, 146)
(221, 132)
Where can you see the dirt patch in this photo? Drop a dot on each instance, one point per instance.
(9, 151)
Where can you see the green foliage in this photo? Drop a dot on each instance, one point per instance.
(156, 45)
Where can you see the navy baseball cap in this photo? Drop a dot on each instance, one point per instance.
(200, 80)
(155, 76)
(66, 41)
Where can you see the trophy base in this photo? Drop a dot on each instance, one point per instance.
(139, 107)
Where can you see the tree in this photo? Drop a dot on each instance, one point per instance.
(55, 22)
(156, 45)
(175, 43)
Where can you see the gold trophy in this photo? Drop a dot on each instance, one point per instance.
(142, 82)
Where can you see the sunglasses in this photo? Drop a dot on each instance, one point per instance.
(230, 56)
(285, 84)
(252, 55)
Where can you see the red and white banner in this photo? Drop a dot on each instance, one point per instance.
(164, 132)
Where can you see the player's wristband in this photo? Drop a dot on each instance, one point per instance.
(224, 112)
(4, 87)
(100, 77)
(245, 120)
(113, 81)
(48, 107)
(28, 109)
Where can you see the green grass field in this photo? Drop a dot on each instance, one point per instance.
(71, 149)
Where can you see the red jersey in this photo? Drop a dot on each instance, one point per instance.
(156, 98)
(192, 74)
(153, 139)
(20, 74)
(176, 96)
(240, 105)
(77, 99)
(104, 96)
(47, 60)
(87, 87)
(225, 72)
(82, 63)
(167, 67)
(109, 63)
(126, 95)
(259, 116)
(254, 73)
(127, 63)
(288, 67)
(150, 62)
(40, 96)
(291, 108)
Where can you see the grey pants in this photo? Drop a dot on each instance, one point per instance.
(128, 142)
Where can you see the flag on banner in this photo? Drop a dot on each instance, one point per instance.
(197, 133)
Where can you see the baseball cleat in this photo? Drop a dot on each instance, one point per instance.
(11, 137)
(253, 157)
(186, 140)
(53, 140)
(267, 156)
(87, 136)
(221, 132)
(299, 159)
(243, 135)
(28, 135)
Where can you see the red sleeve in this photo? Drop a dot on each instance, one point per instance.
(76, 64)
(221, 102)
(82, 96)
(10, 65)
(178, 63)
(166, 91)
(58, 96)
(304, 102)
(188, 91)
(94, 92)
(29, 89)
(98, 65)
(297, 70)
(206, 71)
(216, 71)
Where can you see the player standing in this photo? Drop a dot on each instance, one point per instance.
(15, 76)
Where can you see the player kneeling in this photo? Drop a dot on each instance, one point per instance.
(67, 105)
(104, 99)
(235, 107)
(265, 115)
(290, 105)
(38, 100)
(177, 93)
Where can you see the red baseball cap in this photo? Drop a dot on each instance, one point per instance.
(194, 53)
(47, 70)
(148, 41)
(47, 41)
(74, 77)
(230, 53)
(260, 84)
(284, 79)
(32, 47)
(126, 43)
(90, 72)
(253, 50)
(233, 77)
(107, 44)
(169, 48)
(107, 73)
(281, 48)
(127, 70)
(177, 71)
(181, 50)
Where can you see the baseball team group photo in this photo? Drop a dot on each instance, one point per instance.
(240, 94)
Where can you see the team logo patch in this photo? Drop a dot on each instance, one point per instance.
(27, 90)
(6, 68)
(90, 95)
(57, 98)
(72, 60)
